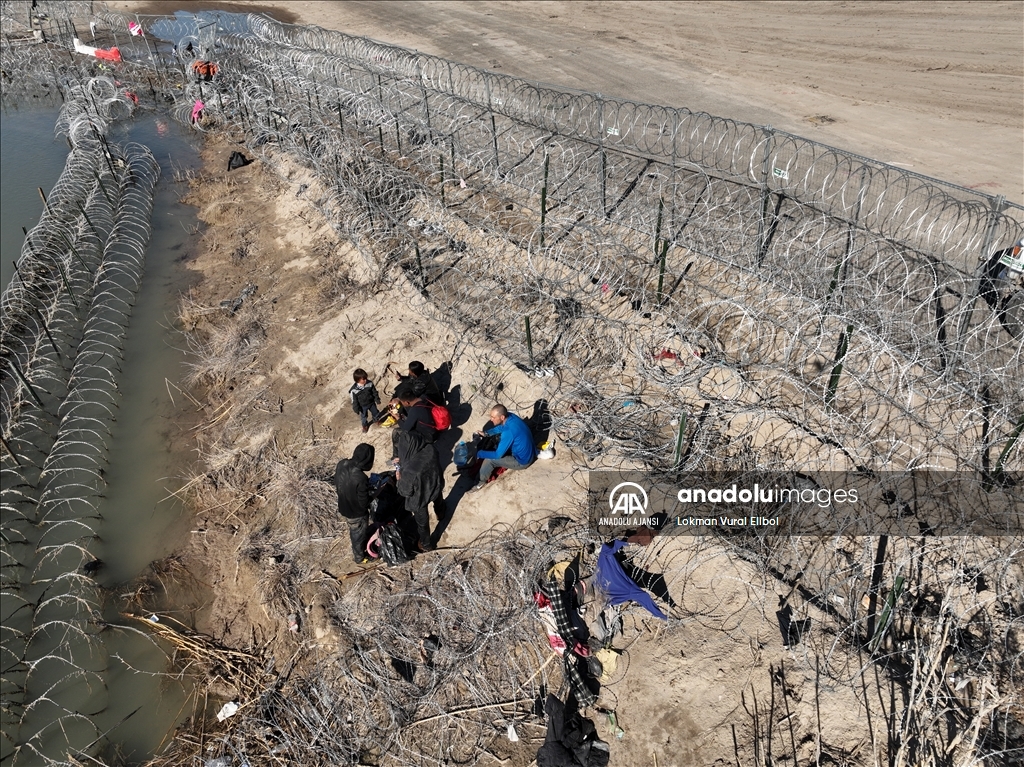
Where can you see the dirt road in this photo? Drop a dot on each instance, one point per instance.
(932, 87)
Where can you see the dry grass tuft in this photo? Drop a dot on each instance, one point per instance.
(227, 346)
(301, 485)
(235, 473)
(335, 280)
(277, 575)
(193, 315)
(278, 589)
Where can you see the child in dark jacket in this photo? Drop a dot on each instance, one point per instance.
(364, 398)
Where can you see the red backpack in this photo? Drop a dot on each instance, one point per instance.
(442, 418)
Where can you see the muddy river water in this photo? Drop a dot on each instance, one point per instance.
(141, 523)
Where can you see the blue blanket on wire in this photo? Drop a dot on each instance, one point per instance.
(613, 581)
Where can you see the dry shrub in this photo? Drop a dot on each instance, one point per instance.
(193, 315)
(235, 473)
(138, 596)
(337, 263)
(171, 569)
(277, 576)
(227, 347)
(144, 592)
(277, 588)
(303, 494)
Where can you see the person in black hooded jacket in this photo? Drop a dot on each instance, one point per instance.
(422, 382)
(353, 489)
(420, 480)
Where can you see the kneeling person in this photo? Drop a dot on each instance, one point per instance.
(515, 450)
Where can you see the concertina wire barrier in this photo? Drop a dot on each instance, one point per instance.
(621, 231)
(64, 318)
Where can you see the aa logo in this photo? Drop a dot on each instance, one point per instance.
(627, 499)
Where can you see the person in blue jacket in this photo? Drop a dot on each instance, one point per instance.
(515, 450)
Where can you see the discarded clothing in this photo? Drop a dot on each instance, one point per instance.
(582, 683)
(571, 740)
(547, 617)
(109, 54)
(387, 543)
(557, 572)
(135, 29)
(197, 110)
(238, 160)
(204, 70)
(609, 660)
(653, 582)
(561, 593)
(613, 581)
(604, 626)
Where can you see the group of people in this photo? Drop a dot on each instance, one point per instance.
(418, 475)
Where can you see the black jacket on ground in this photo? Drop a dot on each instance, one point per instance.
(571, 740)
(420, 480)
(352, 484)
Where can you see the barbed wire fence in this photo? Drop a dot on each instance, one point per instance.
(64, 318)
(760, 299)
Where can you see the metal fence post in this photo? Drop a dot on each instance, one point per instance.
(426, 103)
(997, 206)
(494, 127)
(839, 273)
(604, 160)
(762, 224)
(675, 169)
(149, 50)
